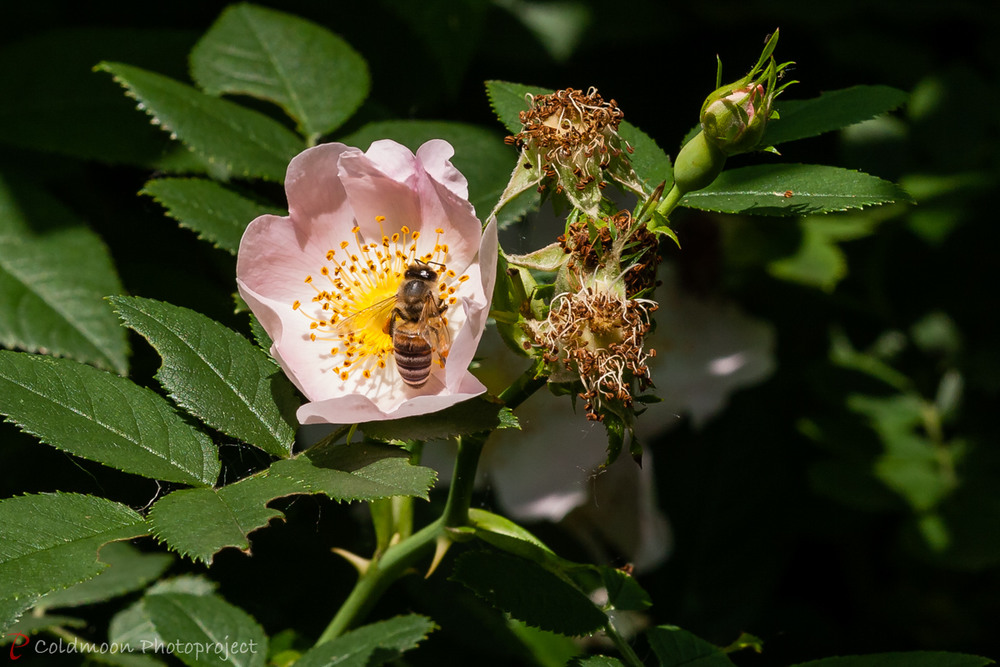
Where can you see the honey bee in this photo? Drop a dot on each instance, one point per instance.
(415, 322)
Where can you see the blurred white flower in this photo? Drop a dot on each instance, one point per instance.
(705, 350)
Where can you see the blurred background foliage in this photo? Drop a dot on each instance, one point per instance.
(850, 503)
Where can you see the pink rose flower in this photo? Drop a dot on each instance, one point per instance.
(321, 280)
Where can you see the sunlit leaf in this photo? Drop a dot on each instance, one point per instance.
(226, 516)
(216, 374)
(128, 570)
(103, 417)
(365, 471)
(215, 213)
(239, 140)
(315, 76)
(50, 541)
(833, 110)
(793, 189)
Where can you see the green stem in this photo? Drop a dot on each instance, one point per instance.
(623, 647)
(382, 572)
(669, 202)
(456, 508)
(400, 557)
(523, 387)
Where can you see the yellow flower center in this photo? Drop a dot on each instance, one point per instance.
(356, 293)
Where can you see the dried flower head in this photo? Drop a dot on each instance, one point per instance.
(569, 141)
(613, 242)
(597, 334)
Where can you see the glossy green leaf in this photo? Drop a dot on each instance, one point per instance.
(472, 416)
(54, 274)
(103, 417)
(206, 630)
(480, 155)
(528, 592)
(315, 76)
(216, 374)
(226, 516)
(907, 659)
(50, 541)
(239, 140)
(370, 645)
(218, 215)
(364, 471)
(675, 647)
(509, 100)
(128, 570)
(793, 189)
(833, 110)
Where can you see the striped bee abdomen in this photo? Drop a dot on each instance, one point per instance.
(413, 358)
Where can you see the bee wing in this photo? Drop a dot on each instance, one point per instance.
(434, 329)
(378, 313)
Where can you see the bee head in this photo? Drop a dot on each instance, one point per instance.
(420, 271)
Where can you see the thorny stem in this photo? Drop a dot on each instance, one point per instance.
(400, 557)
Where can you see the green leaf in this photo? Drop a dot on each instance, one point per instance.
(675, 647)
(239, 140)
(799, 119)
(907, 659)
(315, 76)
(226, 516)
(54, 274)
(50, 541)
(624, 592)
(216, 374)
(480, 155)
(370, 645)
(207, 630)
(528, 592)
(364, 471)
(793, 189)
(651, 164)
(510, 99)
(12, 609)
(218, 215)
(103, 418)
(509, 536)
(129, 570)
(471, 416)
